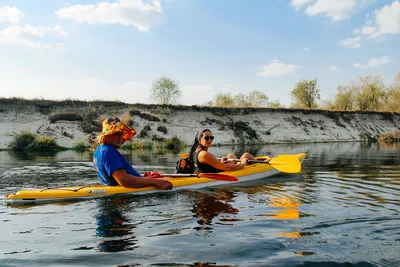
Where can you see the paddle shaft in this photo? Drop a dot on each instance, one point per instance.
(251, 160)
(215, 176)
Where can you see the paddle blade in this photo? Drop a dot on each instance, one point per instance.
(286, 163)
(219, 176)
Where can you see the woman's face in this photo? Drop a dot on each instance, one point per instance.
(206, 139)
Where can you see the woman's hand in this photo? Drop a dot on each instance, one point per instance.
(224, 159)
(244, 161)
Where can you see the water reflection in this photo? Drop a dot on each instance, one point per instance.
(207, 207)
(286, 207)
(344, 207)
(113, 226)
(33, 155)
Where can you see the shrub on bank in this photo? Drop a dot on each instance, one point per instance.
(43, 143)
(81, 146)
(390, 137)
(22, 141)
(30, 141)
(173, 143)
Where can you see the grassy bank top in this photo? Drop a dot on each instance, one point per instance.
(49, 106)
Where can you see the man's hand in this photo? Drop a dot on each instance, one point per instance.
(163, 184)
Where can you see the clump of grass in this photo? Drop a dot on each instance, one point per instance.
(367, 137)
(44, 143)
(135, 144)
(175, 143)
(81, 146)
(390, 137)
(26, 141)
(155, 144)
(22, 141)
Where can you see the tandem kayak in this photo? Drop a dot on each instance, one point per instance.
(248, 173)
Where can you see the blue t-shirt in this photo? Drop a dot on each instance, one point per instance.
(107, 160)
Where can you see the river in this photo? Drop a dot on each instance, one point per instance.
(342, 210)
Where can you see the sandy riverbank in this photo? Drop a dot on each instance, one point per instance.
(73, 121)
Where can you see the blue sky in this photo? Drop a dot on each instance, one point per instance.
(115, 49)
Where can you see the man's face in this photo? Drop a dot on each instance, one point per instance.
(114, 139)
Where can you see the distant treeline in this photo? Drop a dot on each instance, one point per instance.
(367, 93)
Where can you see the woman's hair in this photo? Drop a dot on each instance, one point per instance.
(196, 142)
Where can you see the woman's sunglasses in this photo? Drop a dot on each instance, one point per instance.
(209, 137)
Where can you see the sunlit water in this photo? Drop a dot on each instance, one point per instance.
(343, 210)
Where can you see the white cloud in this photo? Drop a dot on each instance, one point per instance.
(276, 68)
(299, 3)
(10, 15)
(30, 35)
(126, 12)
(351, 42)
(335, 69)
(335, 9)
(373, 62)
(306, 48)
(385, 21)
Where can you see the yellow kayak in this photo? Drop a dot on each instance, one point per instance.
(249, 173)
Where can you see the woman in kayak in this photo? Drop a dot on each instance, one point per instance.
(111, 167)
(206, 162)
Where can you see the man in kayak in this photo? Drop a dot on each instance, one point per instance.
(111, 167)
(206, 162)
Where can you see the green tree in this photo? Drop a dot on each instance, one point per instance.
(397, 79)
(392, 101)
(241, 100)
(257, 98)
(252, 99)
(165, 91)
(370, 93)
(305, 94)
(222, 100)
(274, 104)
(344, 98)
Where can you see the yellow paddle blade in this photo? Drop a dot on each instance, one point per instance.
(286, 163)
(184, 155)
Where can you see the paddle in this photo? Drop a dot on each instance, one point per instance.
(215, 176)
(283, 163)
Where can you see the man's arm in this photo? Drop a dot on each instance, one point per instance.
(126, 180)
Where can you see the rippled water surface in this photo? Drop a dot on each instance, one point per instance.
(343, 210)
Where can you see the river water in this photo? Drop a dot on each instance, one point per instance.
(343, 210)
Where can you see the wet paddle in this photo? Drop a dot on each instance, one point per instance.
(283, 163)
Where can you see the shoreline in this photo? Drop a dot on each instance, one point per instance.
(70, 122)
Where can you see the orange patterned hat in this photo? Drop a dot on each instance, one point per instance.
(112, 125)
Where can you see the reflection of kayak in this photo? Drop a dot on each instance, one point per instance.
(249, 173)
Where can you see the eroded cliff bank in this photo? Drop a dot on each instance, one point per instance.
(74, 121)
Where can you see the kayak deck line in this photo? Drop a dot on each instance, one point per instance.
(66, 189)
(248, 173)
